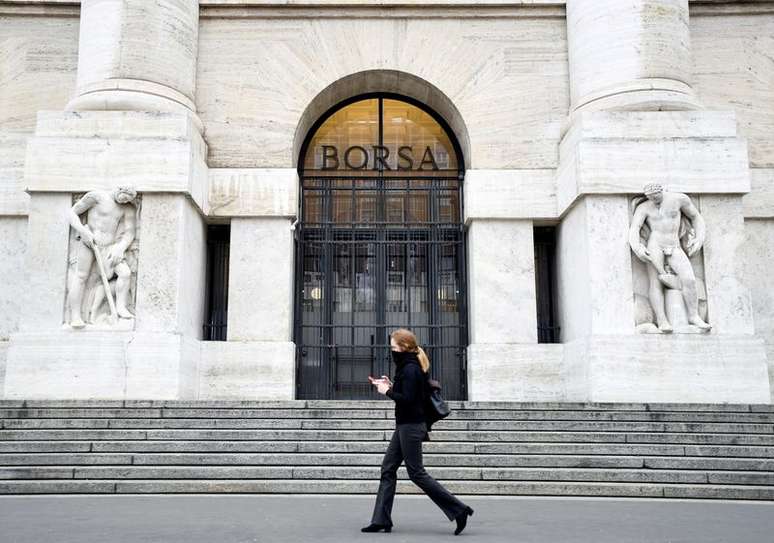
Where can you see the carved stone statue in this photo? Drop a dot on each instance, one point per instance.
(109, 230)
(673, 231)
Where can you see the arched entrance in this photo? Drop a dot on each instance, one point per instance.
(380, 244)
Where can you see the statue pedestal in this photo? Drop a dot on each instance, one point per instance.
(669, 368)
(99, 364)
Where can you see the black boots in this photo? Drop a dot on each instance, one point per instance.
(377, 528)
(462, 520)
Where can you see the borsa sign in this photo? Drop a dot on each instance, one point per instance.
(358, 157)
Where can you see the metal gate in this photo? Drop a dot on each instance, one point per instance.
(399, 261)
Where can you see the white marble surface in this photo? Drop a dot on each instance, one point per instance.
(662, 368)
(594, 268)
(758, 264)
(759, 202)
(770, 356)
(510, 194)
(170, 278)
(43, 294)
(3, 362)
(634, 54)
(80, 364)
(733, 69)
(260, 290)
(81, 151)
(245, 192)
(516, 372)
(13, 199)
(35, 73)
(729, 304)
(614, 153)
(247, 370)
(13, 248)
(489, 68)
(501, 282)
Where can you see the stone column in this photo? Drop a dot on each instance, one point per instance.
(634, 119)
(132, 121)
(137, 55)
(632, 55)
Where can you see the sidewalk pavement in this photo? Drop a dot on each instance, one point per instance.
(329, 519)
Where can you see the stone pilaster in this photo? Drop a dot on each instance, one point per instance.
(132, 121)
(634, 119)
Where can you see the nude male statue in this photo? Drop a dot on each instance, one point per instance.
(110, 228)
(661, 213)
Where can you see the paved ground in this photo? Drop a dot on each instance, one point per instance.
(322, 519)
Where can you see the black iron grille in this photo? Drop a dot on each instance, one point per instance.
(375, 254)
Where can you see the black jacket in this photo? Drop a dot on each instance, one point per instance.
(408, 389)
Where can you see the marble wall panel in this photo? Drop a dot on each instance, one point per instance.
(594, 268)
(501, 282)
(247, 369)
(733, 69)
(758, 263)
(3, 364)
(260, 290)
(38, 62)
(510, 194)
(170, 277)
(35, 74)
(517, 372)
(13, 199)
(46, 261)
(507, 76)
(759, 202)
(253, 192)
(729, 305)
(13, 248)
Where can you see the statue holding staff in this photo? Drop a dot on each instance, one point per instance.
(109, 230)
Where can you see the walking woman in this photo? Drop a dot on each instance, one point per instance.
(408, 390)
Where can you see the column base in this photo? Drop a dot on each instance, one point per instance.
(669, 369)
(93, 364)
(634, 369)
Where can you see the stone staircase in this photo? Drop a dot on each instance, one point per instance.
(495, 448)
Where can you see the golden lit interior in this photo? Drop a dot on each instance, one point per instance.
(411, 140)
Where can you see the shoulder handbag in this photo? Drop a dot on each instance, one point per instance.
(436, 407)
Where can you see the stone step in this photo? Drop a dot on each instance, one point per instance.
(437, 445)
(387, 413)
(526, 446)
(386, 424)
(485, 442)
(380, 403)
(374, 459)
(372, 473)
(459, 487)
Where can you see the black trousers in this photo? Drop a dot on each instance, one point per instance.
(406, 444)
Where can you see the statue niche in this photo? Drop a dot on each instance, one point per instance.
(666, 234)
(102, 268)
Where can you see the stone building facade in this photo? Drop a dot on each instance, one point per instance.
(508, 124)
